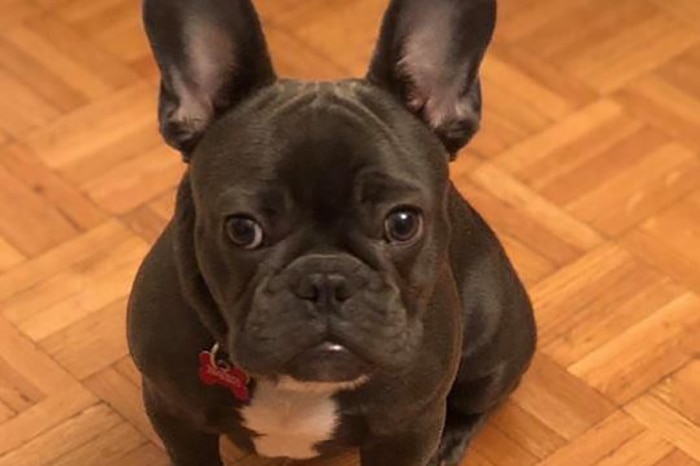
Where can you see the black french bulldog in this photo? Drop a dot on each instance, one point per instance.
(322, 284)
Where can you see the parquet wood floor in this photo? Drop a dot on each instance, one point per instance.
(588, 166)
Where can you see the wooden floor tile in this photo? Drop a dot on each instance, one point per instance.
(123, 396)
(28, 274)
(63, 196)
(40, 49)
(117, 119)
(522, 105)
(293, 58)
(108, 448)
(150, 219)
(30, 111)
(597, 443)
(90, 344)
(93, 59)
(114, 25)
(670, 241)
(680, 389)
(684, 10)
(669, 98)
(6, 413)
(63, 404)
(498, 448)
(644, 450)
(520, 19)
(587, 166)
(677, 458)
(638, 357)
(594, 300)
(9, 256)
(65, 298)
(343, 30)
(16, 11)
(145, 455)
(527, 431)
(642, 172)
(671, 425)
(557, 236)
(559, 400)
(27, 368)
(64, 438)
(606, 54)
(145, 222)
(29, 222)
(135, 181)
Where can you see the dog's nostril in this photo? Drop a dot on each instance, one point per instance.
(339, 287)
(324, 287)
(308, 287)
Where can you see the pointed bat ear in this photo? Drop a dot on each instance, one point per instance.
(429, 54)
(211, 54)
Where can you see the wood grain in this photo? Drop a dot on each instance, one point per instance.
(587, 166)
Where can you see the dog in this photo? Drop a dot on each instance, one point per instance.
(322, 285)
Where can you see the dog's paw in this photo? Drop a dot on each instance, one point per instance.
(456, 438)
(451, 452)
(452, 449)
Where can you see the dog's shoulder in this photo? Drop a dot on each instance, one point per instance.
(161, 323)
(495, 304)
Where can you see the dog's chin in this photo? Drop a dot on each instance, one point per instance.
(291, 384)
(327, 363)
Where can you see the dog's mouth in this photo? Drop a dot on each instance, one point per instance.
(371, 334)
(327, 361)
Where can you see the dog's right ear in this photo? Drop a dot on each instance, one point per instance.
(211, 54)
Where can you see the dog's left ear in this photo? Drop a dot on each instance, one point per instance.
(429, 53)
(211, 54)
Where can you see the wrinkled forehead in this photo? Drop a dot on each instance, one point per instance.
(320, 139)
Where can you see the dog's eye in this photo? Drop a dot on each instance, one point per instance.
(403, 225)
(244, 232)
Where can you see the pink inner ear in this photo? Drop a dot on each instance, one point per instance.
(436, 84)
(210, 64)
(211, 55)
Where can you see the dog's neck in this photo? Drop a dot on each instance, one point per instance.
(194, 287)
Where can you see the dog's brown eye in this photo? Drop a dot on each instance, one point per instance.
(403, 225)
(244, 232)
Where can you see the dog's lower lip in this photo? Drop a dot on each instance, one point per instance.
(327, 361)
(332, 347)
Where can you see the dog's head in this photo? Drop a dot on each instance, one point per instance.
(320, 221)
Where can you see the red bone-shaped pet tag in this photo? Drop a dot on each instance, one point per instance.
(212, 372)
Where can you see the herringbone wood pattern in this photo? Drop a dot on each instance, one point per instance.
(588, 166)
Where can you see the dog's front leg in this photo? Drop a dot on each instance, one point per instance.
(186, 446)
(415, 445)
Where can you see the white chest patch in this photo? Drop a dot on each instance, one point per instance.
(290, 423)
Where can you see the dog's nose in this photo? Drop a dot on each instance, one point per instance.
(324, 288)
